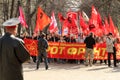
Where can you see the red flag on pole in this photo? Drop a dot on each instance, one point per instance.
(72, 22)
(97, 22)
(113, 28)
(83, 25)
(53, 24)
(60, 16)
(42, 20)
(94, 17)
(82, 22)
(106, 27)
(65, 29)
(22, 18)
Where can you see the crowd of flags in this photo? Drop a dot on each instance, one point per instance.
(73, 23)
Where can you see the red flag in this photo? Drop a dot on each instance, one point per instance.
(42, 20)
(112, 27)
(116, 32)
(22, 18)
(106, 27)
(94, 17)
(99, 30)
(72, 22)
(65, 29)
(97, 22)
(72, 15)
(93, 22)
(82, 23)
(53, 24)
(60, 16)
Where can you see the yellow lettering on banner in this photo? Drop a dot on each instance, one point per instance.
(103, 51)
(72, 50)
(61, 50)
(81, 50)
(54, 50)
(97, 51)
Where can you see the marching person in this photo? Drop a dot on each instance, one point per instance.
(42, 46)
(12, 52)
(90, 42)
(110, 49)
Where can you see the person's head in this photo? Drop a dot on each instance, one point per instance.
(61, 38)
(42, 35)
(11, 25)
(110, 35)
(91, 34)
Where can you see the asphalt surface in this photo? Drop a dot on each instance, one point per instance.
(71, 72)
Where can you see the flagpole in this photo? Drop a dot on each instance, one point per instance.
(19, 26)
(61, 27)
(78, 19)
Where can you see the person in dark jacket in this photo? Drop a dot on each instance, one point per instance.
(12, 52)
(42, 46)
(90, 42)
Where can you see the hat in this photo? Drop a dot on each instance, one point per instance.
(11, 22)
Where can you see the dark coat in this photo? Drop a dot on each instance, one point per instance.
(12, 55)
(42, 46)
(90, 42)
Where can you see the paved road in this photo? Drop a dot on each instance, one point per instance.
(71, 72)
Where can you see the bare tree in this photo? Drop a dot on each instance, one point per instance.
(10, 9)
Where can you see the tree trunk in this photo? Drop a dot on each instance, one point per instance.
(12, 9)
(28, 18)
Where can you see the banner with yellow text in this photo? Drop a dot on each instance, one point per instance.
(69, 50)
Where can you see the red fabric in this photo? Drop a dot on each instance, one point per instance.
(31, 46)
(69, 50)
(116, 32)
(94, 17)
(65, 28)
(22, 18)
(97, 22)
(113, 28)
(83, 25)
(53, 24)
(42, 20)
(60, 16)
(106, 27)
(72, 22)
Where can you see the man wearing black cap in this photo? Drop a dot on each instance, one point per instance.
(110, 49)
(12, 52)
(42, 46)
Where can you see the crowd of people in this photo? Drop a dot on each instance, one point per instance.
(80, 38)
(13, 52)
